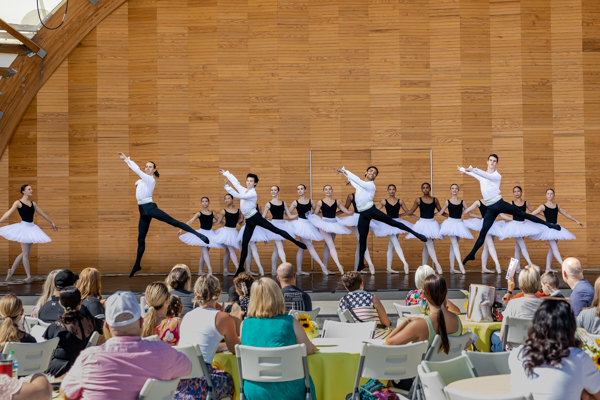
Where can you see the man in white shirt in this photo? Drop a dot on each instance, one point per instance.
(489, 182)
(365, 191)
(248, 198)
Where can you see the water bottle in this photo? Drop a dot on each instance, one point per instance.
(15, 364)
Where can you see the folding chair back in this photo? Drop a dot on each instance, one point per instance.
(515, 330)
(199, 368)
(345, 316)
(359, 331)
(451, 370)
(33, 358)
(457, 345)
(489, 364)
(93, 339)
(408, 310)
(432, 383)
(158, 390)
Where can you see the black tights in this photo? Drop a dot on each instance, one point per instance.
(490, 216)
(363, 230)
(147, 212)
(251, 224)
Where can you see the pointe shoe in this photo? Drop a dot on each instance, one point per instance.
(29, 279)
(548, 269)
(498, 269)
(406, 269)
(9, 274)
(363, 271)
(301, 273)
(134, 270)
(422, 238)
(251, 273)
(200, 273)
(439, 269)
(555, 226)
(261, 271)
(341, 269)
(392, 271)
(210, 270)
(454, 271)
(484, 270)
(227, 273)
(462, 270)
(327, 272)
(274, 272)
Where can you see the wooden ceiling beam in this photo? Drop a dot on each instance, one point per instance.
(22, 38)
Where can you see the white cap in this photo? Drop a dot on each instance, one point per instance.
(122, 303)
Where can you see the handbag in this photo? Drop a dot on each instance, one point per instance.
(373, 390)
(481, 299)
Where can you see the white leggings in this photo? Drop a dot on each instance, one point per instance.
(311, 251)
(230, 254)
(205, 258)
(277, 253)
(520, 247)
(393, 244)
(455, 252)
(23, 257)
(490, 249)
(429, 251)
(553, 251)
(253, 253)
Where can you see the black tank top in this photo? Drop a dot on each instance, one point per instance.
(277, 211)
(327, 210)
(482, 209)
(455, 211)
(392, 211)
(231, 219)
(303, 209)
(551, 214)
(206, 221)
(522, 208)
(26, 212)
(427, 210)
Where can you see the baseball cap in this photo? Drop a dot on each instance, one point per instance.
(122, 303)
(65, 278)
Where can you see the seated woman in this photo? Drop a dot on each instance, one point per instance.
(363, 306)
(157, 320)
(73, 329)
(90, 287)
(267, 325)
(589, 319)
(417, 297)
(48, 291)
(11, 310)
(179, 283)
(551, 364)
(206, 326)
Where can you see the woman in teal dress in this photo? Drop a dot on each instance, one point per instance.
(267, 325)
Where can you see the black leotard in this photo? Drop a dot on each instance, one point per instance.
(303, 209)
(427, 210)
(26, 212)
(455, 210)
(277, 211)
(551, 214)
(327, 210)
(206, 221)
(522, 208)
(392, 211)
(231, 219)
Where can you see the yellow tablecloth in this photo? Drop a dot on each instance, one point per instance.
(485, 385)
(482, 329)
(332, 368)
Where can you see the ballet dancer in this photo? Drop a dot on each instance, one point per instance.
(248, 197)
(551, 210)
(489, 182)
(25, 232)
(426, 224)
(365, 191)
(454, 227)
(329, 226)
(352, 223)
(260, 234)
(489, 248)
(306, 231)
(278, 209)
(518, 228)
(148, 209)
(207, 219)
(392, 208)
(228, 234)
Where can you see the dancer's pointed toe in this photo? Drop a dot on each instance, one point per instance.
(555, 226)
(134, 270)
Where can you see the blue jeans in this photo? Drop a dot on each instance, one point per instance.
(496, 342)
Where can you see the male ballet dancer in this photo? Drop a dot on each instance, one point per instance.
(248, 198)
(365, 191)
(489, 182)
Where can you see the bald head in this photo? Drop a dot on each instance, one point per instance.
(286, 274)
(572, 267)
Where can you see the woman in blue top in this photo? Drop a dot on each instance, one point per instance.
(267, 325)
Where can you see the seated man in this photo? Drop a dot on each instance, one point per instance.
(12, 389)
(295, 298)
(118, 369)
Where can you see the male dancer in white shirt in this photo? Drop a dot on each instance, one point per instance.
(489, 182)
(248, 198)
(365, 192)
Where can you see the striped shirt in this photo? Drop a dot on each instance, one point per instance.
(361, 303)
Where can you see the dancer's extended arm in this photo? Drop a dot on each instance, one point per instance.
(239, 194)
(439, 213)
(563, 212)
(190, 222)
(147, 179)
(10, 211)
(479, 174)
(293, 207)
(403, 206)
(413, 209)
(266, 209)
(233, 180)
(288, 212)
(468, 211)
(344, 209)
(473, 206)
(538, 210)
(318, 208)
(39, 211)
(356, 181)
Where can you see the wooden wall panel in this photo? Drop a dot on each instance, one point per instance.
(256, 85)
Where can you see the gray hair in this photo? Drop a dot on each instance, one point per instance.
(423, 272)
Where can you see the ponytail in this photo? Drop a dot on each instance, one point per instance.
(435, 290)
(70, 299)
(443, 333)
(156, 295)
(149, 327)
(8, 332)
(156, 174)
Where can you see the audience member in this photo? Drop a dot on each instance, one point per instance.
(508, 296)
(73, 330)
(589, 319)
(582, 293)
(416, 297)
(48, 290)
(11, 310)
(51, 310)
(363, 306)
(168, 329)
(294, 297)
(551, 364)
(550, 283)
(157, 321)
(242, 284)
(267, 325)
(13, 389)
(118, 369)
(90, 287)
(206, 326)
(179, 283)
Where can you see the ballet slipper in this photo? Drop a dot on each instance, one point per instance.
(555, 226)
(438, 267)
(29, 279)
(406, 269)
(251, 273)
(227, 273)
(484, 270)
(469, 257)
(498, 269)
(363, 271)
(274, 272)
(200, 273)
(454, 271)
(392, 271)
(326, 272)
(462, 270)
(548, 269)
(210, 270)
(302, 273)
(9, 274)
(341, 269)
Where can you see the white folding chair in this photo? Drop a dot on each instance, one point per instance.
(37, 331)
(272, 364)
(515, 330)
(586, 337)
(360, 331)
(451, 370)
(33, 358)
(93, 340)
(30, 322)
(455, 394)
(432, 384)
(312, 314)
(158, 390)
(408, 310)
(457, 345)
(389, 362)
(345, 316)
(152, 338)
(488, 364)
(199, 368)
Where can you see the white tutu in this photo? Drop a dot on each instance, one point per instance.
(227, 237)
(552, 234)
(331, 225)
(426, 227)
(455, 227)
(520, 229)
(283, 225)
(475, 224)
(193, 240)
(304, 229)
(24, 232)
(381, 229)
(350, 220)
(260, 234)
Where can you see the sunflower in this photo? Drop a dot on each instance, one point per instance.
(303, 318)
(597, 342)
(307, 326)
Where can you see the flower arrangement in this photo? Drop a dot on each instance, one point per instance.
(310, 327)
(593, 350)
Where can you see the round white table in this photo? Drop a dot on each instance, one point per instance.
(337, 345)
(494, 384)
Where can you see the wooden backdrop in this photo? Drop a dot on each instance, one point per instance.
(256, 85)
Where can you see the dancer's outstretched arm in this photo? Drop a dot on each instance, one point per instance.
(221, 216)
(563, 212)
(239, 195)
(538, 210)
(39, 211)
(468, 211)
(288, 212)
(190, 222)
(439, 213)
(233, 181)
(356, 181)
(148, 179)
(403, 206)
(473, 206)
(318, 208)
(293, 207)
(343, 208)
(266, 209)
(412, 210)
(10, 211)
(479, 174)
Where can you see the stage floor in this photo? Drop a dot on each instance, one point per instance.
(315, 282)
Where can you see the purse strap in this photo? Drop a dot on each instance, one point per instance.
(350, 309)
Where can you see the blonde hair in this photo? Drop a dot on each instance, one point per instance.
(422, 272)
(168, 278)
(266, 300)
(529, 280)
(10, 309)
(48, 289)
(89, 284)
(156, 295)
(207, 288)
